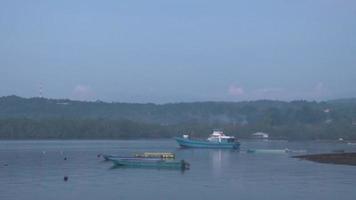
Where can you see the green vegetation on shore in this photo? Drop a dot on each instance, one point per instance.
(40, 118)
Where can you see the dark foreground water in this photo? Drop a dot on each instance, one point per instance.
(35, 170)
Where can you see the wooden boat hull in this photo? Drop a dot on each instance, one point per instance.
(161, 155)
(189, 143)
(110, 157)
(150, 163)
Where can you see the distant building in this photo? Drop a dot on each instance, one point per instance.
(63, 103)
(328, 121)
(244, 122)
(327, 110)
(260, 135)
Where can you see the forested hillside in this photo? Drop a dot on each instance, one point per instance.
(40, 118)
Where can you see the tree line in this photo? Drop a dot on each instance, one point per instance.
(40, 118)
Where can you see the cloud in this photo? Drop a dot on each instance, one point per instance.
(235, 91)
(82, 92)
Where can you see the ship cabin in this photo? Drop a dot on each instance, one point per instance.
(220, 137)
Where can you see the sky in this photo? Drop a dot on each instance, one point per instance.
(178, 50)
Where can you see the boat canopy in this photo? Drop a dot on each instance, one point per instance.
(219, 136)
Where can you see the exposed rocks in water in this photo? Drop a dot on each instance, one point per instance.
(332, 158)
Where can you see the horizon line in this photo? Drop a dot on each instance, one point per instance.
(177, 102)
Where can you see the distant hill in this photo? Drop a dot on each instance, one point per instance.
(62, 118)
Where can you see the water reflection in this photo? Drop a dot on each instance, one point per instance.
(221, 158)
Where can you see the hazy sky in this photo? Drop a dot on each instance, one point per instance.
(178, 50)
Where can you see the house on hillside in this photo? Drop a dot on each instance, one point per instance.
(260, 135)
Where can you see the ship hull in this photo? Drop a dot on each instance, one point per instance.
(150, 163)
(189, 143)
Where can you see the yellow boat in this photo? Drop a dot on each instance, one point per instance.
(165, 155)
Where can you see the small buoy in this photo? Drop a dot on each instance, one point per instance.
(65, 158)
(98, 155)
(65, 178)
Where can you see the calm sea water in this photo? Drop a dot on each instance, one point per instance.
(35, 170)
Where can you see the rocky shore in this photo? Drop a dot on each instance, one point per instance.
(332, 158)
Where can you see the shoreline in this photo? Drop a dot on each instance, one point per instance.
(331, 158)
